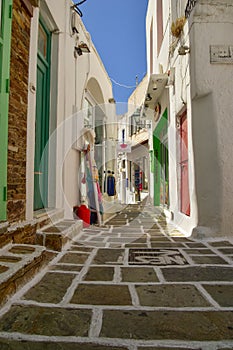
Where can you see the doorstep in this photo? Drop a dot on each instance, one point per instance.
(18, 264)
(57, 235)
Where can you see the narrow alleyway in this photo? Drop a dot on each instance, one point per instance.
(134, 284)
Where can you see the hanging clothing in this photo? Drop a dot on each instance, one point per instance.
(111, 185)
(105, 182)
(93, 188)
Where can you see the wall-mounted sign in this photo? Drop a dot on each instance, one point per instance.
(221, 54)
(124, 147)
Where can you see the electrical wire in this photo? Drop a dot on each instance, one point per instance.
(122, 85)
(79, 12)
(80, 3)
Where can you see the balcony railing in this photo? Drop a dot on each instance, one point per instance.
(189, 7)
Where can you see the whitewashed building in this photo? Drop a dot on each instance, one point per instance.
(133, 160)
(188, 98)
(67, 80)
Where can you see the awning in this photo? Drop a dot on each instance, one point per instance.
(140, 138)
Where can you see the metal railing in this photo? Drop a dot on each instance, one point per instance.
(189, 7)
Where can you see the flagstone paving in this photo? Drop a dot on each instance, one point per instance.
(134, 284)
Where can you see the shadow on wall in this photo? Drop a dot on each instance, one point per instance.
(208, 174)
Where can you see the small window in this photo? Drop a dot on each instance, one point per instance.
(123, 135)
(42, 41)
(151, 47)
(159, 24)
(88, 114)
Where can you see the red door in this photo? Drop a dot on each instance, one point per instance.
(184, 176)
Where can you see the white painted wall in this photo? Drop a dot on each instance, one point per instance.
(69, 79)
(174, 98)
(206, 90)
(162, 56)
(212, 124)
(138, 95)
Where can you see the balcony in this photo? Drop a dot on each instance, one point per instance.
(189, 7)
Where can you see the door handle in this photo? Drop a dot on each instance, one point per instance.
(37, 173)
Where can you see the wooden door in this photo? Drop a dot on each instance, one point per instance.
(184, 174)
(42, 120)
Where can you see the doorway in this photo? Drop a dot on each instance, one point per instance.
(42, 118)
(161, 162)
(184, 175)
(164, 178)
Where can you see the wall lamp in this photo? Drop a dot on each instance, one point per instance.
(148, 97)
(82, 48)
(183, 50)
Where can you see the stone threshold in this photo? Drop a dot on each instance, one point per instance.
(54, 214)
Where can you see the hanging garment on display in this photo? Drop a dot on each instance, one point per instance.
(111, 185)
(93, 190)
(105, 182)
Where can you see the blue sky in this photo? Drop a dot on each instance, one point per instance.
(117, 28)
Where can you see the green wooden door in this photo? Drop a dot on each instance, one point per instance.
(42, 120)
(5, 42)
(161, 177)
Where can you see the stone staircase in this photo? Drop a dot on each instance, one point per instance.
(27, 247)
(18, 264)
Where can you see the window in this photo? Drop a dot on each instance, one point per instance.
(135, 122)
(42, 41)
(159, 24)
(88, 113)
(151, 47)
(123, 135)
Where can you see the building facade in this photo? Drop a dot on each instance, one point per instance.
(187, 98)
(133, 160)
(54, 88)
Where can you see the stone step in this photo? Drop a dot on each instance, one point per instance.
(24, 232)
(5, 238)
(18, 264)
(57, 235)
(53, 214)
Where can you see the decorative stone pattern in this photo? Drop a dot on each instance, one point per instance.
(17, 123)
(92, 297)
(156, 257)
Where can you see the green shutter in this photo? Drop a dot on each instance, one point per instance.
(5, 43)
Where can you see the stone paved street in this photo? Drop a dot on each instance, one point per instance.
(135, 283)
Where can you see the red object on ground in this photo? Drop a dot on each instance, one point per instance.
(84, 214)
